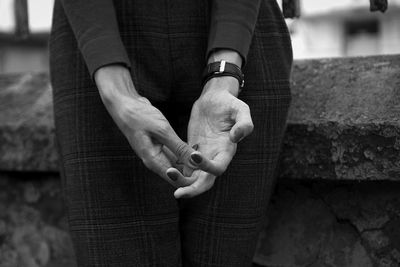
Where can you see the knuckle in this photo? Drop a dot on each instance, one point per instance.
(162, 129)
(194, 189)
(221, 171)
(144, 153)
(143, 99)
(182, 150)
(250, 127)
(244, 107)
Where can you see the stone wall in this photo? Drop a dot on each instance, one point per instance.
(33, 225)
(309, 223)
(337, 198)
(314, 223)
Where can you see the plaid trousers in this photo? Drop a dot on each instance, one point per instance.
(119, 212)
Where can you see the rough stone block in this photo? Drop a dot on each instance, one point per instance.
(33, 226)
(26, 123)
(332, 224)
(344, 120)
(310, 223)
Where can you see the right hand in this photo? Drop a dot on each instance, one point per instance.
(147, 130)
(218, 121)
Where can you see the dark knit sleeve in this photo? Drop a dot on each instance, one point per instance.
(95, 27)
(232, 25)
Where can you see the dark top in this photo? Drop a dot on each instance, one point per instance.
(95, 27)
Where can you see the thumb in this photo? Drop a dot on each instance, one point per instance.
(243, 123)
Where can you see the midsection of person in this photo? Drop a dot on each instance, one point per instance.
(159, 35)
(120, 213)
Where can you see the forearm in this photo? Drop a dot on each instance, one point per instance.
(232, 25)
(114, 82)
(95, 27)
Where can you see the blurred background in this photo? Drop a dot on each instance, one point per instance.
(325, 29)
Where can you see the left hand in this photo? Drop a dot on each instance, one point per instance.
(219, 120)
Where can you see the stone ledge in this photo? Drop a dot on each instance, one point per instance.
(344, 120)
(343, 124)
(26, 123)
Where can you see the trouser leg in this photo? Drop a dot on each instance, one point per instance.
(119, 212)
(221, 226)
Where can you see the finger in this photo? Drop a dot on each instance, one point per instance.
(157, 164)
(177, 177)
(171, 156)
(174, 160)
(216, 166)
(183, 153)
(171, 140)
(243, 124)
(163, 168)
(204, 181)
(187, 171)
(155, 160)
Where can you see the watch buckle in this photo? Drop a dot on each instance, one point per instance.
(222, 66)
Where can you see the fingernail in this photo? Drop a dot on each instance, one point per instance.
(173, 176)
(195, 146)
(196, 158)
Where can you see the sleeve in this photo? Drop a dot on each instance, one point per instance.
(95, 27)
(232, 25)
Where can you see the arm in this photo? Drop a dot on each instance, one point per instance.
(148, 132)
(95, 26)
(232, 25)
(219, 120)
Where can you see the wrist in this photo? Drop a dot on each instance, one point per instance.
(228, 55)
(221, 82)
(114, 82)
(225, 84)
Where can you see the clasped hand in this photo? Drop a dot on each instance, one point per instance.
(219, 120)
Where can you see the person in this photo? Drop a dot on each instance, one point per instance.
(166, 158)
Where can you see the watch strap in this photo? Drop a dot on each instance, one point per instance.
(223, 68)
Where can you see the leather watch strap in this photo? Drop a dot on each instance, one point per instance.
(223, 68)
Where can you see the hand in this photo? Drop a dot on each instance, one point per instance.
(219, 120)
(147, 130)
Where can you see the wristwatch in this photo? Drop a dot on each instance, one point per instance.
(223, 68)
